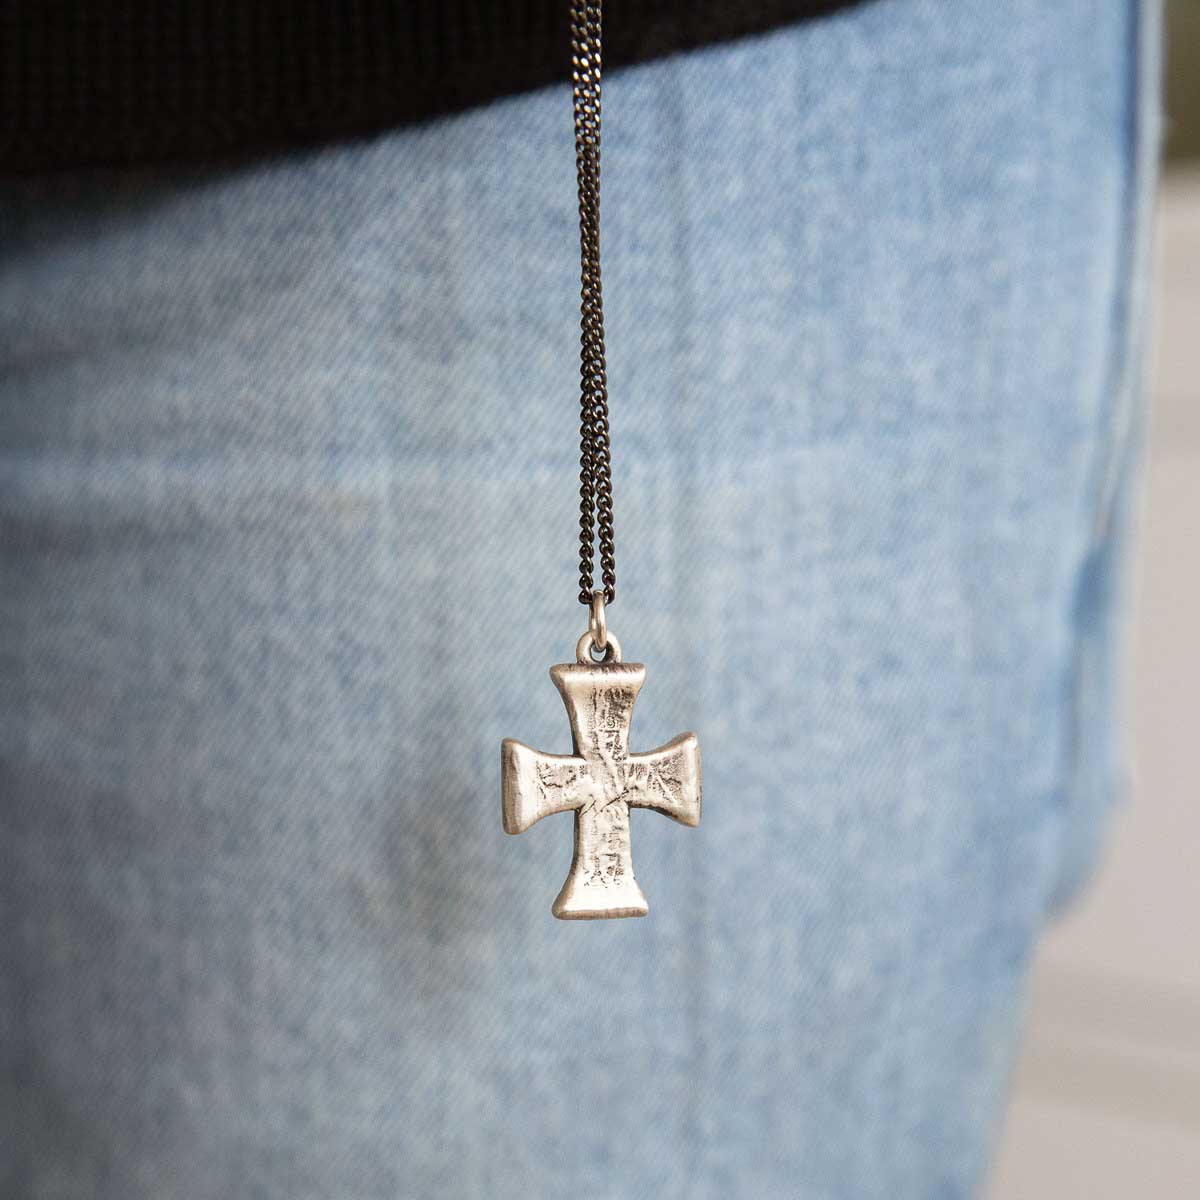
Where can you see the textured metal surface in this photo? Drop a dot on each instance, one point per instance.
(595, 465)
(600, 782)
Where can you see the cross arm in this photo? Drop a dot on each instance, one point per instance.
(534, 785)
(668, 780)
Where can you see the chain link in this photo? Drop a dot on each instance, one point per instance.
(595, 463)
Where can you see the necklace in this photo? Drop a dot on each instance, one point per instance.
(601, 780)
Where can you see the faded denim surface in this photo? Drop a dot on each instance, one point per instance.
(287, 454)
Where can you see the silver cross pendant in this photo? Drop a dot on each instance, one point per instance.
(601, 781)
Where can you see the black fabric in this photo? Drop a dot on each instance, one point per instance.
(123, 81)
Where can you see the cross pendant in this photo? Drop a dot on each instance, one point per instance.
(601, 781)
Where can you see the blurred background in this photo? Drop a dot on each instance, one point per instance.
(1107, 1095)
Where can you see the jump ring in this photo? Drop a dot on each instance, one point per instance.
(583, 650)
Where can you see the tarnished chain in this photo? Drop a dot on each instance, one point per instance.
(595, 464)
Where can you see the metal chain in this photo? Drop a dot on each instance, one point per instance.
(595, 463)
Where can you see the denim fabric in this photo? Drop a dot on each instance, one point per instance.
(287, 459)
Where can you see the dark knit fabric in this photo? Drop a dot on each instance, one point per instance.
(122, 81)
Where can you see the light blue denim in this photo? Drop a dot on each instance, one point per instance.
(287, 503)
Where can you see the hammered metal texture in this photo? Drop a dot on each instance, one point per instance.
(600, 782)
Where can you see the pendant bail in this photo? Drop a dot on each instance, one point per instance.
(598, 622)
(597, 639)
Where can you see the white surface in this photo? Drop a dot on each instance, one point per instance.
(1067, 1151)
(1106, 1102)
